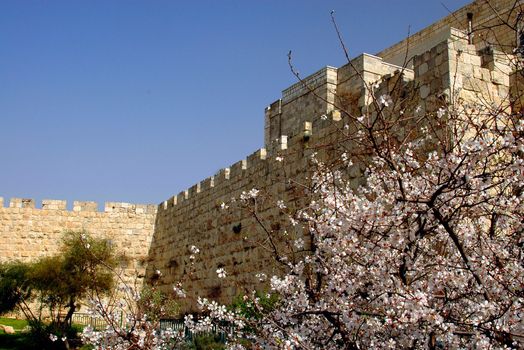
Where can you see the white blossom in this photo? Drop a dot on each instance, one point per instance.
(299, 243)
(441, 112)
(221, 272)
(385, 100)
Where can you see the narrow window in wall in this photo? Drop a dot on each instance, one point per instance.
(520, 34)
(470, 27)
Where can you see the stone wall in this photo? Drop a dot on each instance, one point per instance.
(27, 232)
(227, 236)
(451, 70)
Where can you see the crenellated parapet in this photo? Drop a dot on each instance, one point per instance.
(303, 110)
(213, 184)
(79, 206)
(21, 203)
(30, 230)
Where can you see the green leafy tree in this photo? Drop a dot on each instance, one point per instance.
(80, 269)
(58, 283)
(15, 289)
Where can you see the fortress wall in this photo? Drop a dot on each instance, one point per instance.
(27, 232)
(231, 238)
(484, 17)
(228, 236)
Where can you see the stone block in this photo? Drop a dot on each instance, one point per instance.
(7, 329)
(503, 91)
(85, 206)
(424, 91)
(486, 76)
(472, 84)
(283, 142)
(21, 203)
(422, 69)
(50, 204)
(475, 60)
(499, 78)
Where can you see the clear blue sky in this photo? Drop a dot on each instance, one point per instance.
(135, 101)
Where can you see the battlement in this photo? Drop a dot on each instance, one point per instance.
(222, 178)
(79, 206)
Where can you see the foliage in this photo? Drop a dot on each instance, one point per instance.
(64, 279)
(426, 253)
(206, 342)
(52, 336)
(36, 339)
(15, 288)
(265, 303)
(57, 283)
(156, 304)
(18, 341)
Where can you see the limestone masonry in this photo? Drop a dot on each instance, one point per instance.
(458, 58)
(27, 233)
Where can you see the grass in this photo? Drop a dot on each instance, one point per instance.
(18, 325)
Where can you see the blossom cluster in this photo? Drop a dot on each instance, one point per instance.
(425, 253)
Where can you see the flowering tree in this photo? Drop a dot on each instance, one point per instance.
(422, 249)
(427, 252)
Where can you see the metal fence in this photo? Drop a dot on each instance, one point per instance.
(176, 325)
(84, 319)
